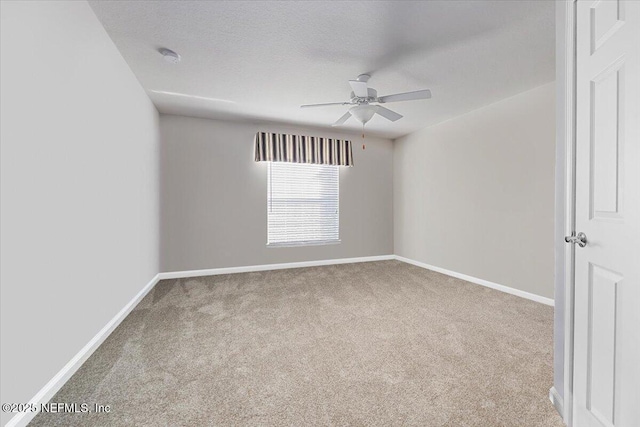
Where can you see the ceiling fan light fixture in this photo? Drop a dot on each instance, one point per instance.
(363, 113)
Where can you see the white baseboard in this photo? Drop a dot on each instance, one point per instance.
(56, 383)
(263, 267)
(507, 289)
(557, 401)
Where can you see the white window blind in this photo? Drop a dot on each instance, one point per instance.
(302, 204)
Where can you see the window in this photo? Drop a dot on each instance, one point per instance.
(302, 204)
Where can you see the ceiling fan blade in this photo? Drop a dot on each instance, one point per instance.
(359, 88)
(342, 119)
(388, 114)
(325, 105)
(407, 96)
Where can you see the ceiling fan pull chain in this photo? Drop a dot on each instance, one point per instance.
(363, 147)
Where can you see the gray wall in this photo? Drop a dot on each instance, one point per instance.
(214, 198)
(475, 194)
(79, 188)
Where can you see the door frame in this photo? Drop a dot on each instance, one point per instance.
(567, 84)
(570, 204)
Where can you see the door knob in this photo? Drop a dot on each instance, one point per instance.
(580, 239)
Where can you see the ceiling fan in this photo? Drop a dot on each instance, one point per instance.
(363, 97)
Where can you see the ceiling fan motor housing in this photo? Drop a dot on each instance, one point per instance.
(373, 96)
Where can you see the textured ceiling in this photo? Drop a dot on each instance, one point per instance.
(260, 60)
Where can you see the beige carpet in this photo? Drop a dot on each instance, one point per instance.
(369, 344)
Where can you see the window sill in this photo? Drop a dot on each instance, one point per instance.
(298, 244)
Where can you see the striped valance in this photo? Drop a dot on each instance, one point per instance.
(281, 147)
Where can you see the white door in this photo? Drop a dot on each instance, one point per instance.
(607, 270)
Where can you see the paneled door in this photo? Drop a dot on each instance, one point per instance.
(607, 269)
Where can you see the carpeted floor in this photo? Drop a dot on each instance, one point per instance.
(370, 344)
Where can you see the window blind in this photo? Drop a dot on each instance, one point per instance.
(302, 204)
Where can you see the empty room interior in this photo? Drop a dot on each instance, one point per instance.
(320, 213)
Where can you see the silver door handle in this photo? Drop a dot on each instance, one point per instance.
(580, 239)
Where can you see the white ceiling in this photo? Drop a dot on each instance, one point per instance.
(260, 60)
